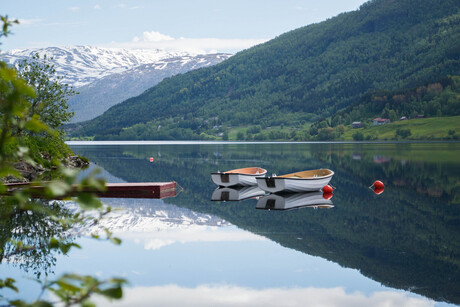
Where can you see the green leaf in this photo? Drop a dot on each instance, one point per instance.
(88, 201)
(87, 303)
(113, 293)
(68, 287)
(64, 248)
(54, 243)
(58, 188)
(9, 171)
(116, 241)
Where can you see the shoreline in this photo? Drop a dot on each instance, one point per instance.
(198, 142)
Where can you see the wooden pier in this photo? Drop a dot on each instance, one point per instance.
(139, 190)
(156, 190)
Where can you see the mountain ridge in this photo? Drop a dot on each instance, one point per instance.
(81, 65)
(112, 89)
(299, 76)
(104, 77)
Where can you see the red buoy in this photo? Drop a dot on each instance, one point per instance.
(378, 184)
(378, 191)
(327, 195)
(327, 189)
(151, 159)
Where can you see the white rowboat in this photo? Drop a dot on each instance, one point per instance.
(240, 176)
(306, 181)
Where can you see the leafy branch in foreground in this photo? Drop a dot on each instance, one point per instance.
(31, 229)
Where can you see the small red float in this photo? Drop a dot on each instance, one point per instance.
(151, 159)
(377, 187)
(327, 195)
(327, 189)
(378, 184)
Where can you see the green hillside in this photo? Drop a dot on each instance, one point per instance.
(298, 77)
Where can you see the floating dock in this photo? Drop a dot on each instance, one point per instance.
(139, 190)
(156, 190)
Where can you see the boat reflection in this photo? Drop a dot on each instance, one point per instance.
(236, 193)
(294, 201)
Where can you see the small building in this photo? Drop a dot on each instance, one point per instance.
(403, 118)
(420, 116)
(356, 125)
(381, 121)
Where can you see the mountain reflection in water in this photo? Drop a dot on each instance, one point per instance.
(405, 238)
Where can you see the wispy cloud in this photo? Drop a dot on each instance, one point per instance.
(153, 36)
(222, 295)
(191, 234)
(97, 7)
(74, 8)
(154, 39)
(28, 22)
(124, 6)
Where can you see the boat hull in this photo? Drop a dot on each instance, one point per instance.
(236, 193)
(280, 184)
(294, 201)
(243, 177)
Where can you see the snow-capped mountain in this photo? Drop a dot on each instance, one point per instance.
(156, 224)
(81, 65)
(105, 77)
(95, 98)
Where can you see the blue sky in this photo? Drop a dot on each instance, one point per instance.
(199, 25)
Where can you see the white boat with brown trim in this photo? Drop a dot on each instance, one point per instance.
(305, 181)
(240, 176)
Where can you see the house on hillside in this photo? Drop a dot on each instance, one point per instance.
(403, 118)
(356, 125)
(381, 121)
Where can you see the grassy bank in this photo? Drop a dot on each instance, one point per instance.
(436, 128)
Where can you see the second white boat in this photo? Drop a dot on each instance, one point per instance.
(306, 181)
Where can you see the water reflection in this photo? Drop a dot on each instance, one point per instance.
(236, 193)
(294, 201)
(221, 295)
(405, 238)
(34, 229)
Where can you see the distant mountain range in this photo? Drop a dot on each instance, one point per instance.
(105, 77)
(97, 97)
(298, 77)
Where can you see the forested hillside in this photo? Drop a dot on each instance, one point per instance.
(300, 76)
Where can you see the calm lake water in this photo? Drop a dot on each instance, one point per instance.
(398, 248)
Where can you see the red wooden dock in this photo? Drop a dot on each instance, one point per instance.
(156, 190)
(139, 190)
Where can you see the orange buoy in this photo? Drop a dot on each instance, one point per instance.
(378, 191)
(327, 189)
(151, 159)
(378, 184)
(327, 195)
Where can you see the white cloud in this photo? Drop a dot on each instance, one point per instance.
(124, 6)
(154, 36)
(190, 234)
(74, 8)
(157, 40)
(28, 22)
(205, 295)
(97, 7)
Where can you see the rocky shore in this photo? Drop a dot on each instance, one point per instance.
(31, 172)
